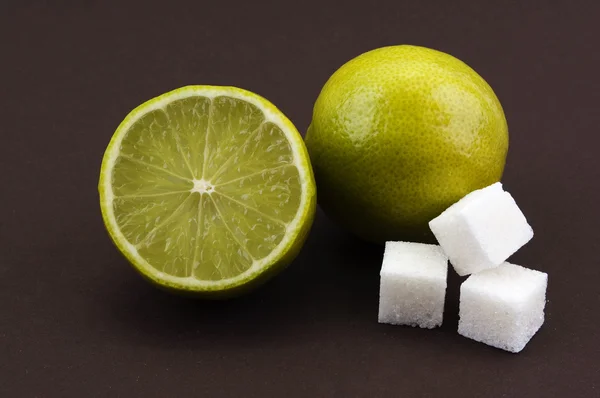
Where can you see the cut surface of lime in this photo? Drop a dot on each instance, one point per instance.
(207, 189)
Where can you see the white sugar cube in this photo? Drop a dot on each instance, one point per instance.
(503, 307)
(413, 284)
(481, 230)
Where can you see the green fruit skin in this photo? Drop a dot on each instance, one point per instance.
(399, 134)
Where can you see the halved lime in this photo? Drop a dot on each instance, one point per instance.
(207, 190)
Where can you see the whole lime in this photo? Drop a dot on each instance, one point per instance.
(399, 134)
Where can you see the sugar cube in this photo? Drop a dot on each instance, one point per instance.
(413, 284)
(481, 230)
(503, 307)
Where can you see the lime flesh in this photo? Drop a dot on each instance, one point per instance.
(207, 189)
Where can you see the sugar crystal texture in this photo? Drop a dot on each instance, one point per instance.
(413, 284)
(503, 307)
(481, 230)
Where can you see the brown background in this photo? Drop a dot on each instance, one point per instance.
(75, 319)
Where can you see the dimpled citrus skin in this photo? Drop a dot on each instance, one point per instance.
(399, 134)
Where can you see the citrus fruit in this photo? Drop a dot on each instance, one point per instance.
(207, 190)
(400, 133)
